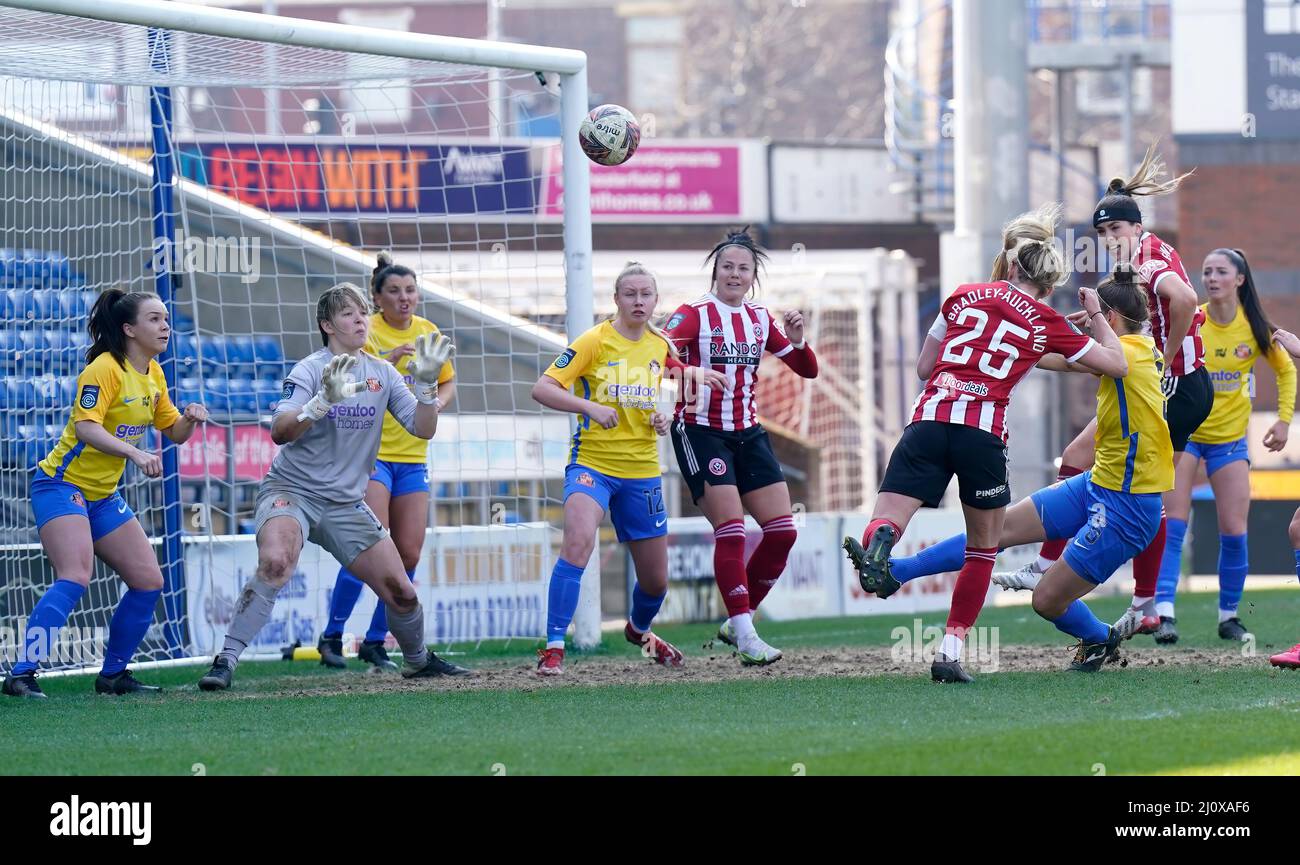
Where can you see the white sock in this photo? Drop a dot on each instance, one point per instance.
(555, 644)
(1165, 609)
(1044, 564)
(950, 648)
(743, 626)
(1224, 615)
(1145, 605)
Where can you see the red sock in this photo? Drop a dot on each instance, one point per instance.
(729, 566)
(1146, 564)
(768, 559)
(877, 523)
(1053, 549)
(972, 586)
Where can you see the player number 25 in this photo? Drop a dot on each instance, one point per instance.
(996, 345)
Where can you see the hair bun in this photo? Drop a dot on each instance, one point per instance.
(383, 259)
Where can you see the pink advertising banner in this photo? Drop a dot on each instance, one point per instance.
(253, 452)
(696, 181)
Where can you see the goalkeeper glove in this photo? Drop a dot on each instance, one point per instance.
(430, 356)
(336, 385)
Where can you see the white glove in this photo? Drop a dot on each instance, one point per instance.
(430, 356)
(336, 385)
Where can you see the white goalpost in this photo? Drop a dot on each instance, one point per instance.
(238, 164)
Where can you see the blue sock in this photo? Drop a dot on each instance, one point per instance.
(50, 613)
(131, 620)
(347, 589)
(379, 621)
(1172, 564)
(1233, 567)
(1079, 621)
(1297, 564)
(947, 555)
(562, 599)
(644, 608)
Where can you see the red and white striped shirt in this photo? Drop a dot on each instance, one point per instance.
(1154, 261)
(731, 340)
(992, 336)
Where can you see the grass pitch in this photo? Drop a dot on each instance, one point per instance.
(842, 701)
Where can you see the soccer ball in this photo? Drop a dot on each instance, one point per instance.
(609, 135)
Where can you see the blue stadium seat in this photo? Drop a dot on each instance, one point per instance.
(187, 391)
(49, 392)
(187, 354)
(8, 268)
(39, 349)
(243, 399)
(11, 352)
(45, 304)
(269, 357)
(17, 394)
(241, 356)
(74, 306)
(215, 396)
(17, 305)
(267, 392)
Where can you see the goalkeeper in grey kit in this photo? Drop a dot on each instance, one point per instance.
(329, 422)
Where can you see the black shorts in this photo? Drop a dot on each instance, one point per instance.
(931, 452)
(1190, 399)
(738, 458)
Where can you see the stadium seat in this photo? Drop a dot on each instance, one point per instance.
(239, 395)
(75, 306)
(187, 391)
(269, 357)
(11, 352)
(49, 392)
(17, 394)
(8, 268)
(45, 305)
(17, 305)
(241, 357)
(187, 354)
(267, 393)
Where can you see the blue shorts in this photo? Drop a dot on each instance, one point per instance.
(635, 505)
(402, 478)
(1220, 455)
(1108, 527)
(51, 498)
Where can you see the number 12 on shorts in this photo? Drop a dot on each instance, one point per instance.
(654, 501)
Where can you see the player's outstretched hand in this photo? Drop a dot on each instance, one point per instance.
(430, 354)
(336, 385)
(195, 413)
(337, 382)
(401, 351)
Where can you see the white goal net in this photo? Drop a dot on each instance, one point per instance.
(239, 168)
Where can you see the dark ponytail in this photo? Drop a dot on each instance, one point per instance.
(385, 268)
(1120, 292)
(1260, 327)
(113, 309)
(738, 237)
